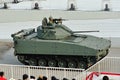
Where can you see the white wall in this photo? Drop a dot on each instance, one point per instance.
(90, 5)
(81, 4)
(84, 5)
(115, 5)
(54, 4)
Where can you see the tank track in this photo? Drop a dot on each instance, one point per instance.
(58, 61)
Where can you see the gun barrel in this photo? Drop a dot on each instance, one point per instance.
(84, 31)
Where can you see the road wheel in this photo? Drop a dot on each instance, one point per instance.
(42, 62)
(82, 65)
(92, 61)
(62, 63)
(32, 62)
(21, 58)
(71, 64)
(52, 63)
(90, 64)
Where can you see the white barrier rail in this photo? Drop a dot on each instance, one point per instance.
(106, 66)
(16, 71)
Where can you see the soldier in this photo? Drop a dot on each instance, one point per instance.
(15, 1)
(72, 7)
(50, 21)
(5, 6)
(44, 22)
(36, 6)
(60, 20)
(106, 8)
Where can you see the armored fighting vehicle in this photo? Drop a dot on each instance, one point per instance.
(55, 45)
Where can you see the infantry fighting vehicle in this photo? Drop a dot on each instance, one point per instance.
(55, 45)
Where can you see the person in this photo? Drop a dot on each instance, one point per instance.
(44, 78)
(32, 77)
(105, 78)
(54, 78)
(2, 76)
(73, 79)
(44, 22)
(72, 7)
(11, 79)
(15, 1)
(40, 77)
(50, 21)
(65, 79)
(5, 6)
(36, 6)
(25, 77)
(60, 20)
(106, 8)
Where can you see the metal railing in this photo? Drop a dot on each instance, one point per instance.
(106, 65)
(16, 71)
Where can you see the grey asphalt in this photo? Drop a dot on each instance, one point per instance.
(9, 58)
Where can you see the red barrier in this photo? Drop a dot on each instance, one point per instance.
(90, 76)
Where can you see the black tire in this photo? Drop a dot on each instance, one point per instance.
(52, 63)
(62, 63)
(42, 62)
(71, 64)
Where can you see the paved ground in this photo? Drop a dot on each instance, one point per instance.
(37, 15)
(114, 52)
